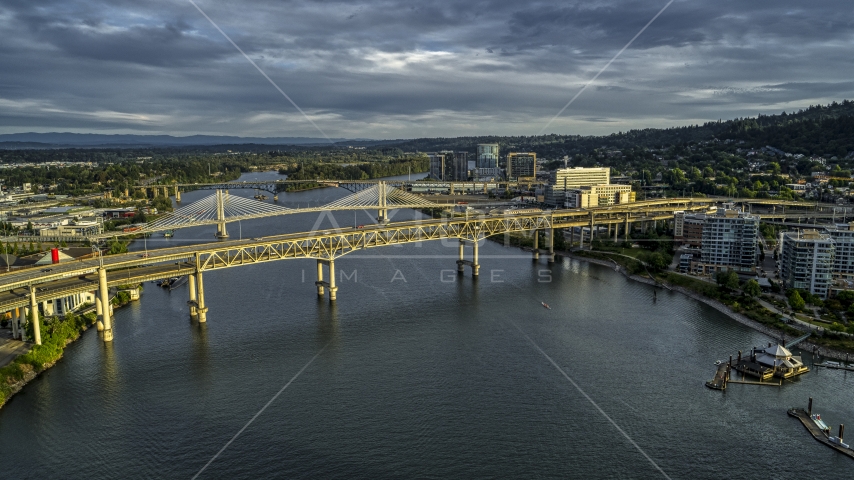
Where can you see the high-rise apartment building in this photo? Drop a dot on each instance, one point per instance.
(521, 165)
(843, 243)
(487, 155)
(730, 240)
(449, 166)
(806, 261)
(688, 228)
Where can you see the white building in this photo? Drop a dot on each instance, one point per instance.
(729, 239)
(843, 243)
(807, 260)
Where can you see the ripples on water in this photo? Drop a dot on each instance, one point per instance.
(421, 378)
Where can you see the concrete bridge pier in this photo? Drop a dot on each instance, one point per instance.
(616, 232)
(551, 245)
(592, 229)
(330, 285)
(320, 283)
(536, 252)
(475, 267)
(104, 294)
(14, 322)
(571, 237)
(201, 309)
(194, 299)
(627, 227)
(177, 194)
(461, 262)
(333, 290)
(34, 317)
(22, 320)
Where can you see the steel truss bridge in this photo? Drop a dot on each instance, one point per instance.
(25, 289)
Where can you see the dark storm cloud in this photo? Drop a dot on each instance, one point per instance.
(389, 68)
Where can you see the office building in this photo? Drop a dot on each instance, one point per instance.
(437, 165)
(521, 165)
(487, 155)
(598, 196)
(564, 179)
(449, 166)
(806, 261)
(729, 240)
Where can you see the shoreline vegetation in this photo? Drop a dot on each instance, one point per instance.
(57, 333)
(742, 308)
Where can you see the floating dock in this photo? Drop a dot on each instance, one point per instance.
(820, 435)
(835, 366)
(721, 378)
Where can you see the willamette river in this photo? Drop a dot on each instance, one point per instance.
(420, 374)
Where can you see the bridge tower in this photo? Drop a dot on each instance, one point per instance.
(382, 212)
(177, 194)
(104, 296)
(221, 232)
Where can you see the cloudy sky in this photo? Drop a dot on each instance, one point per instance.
(402, 69)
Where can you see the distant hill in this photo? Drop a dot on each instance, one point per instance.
(65, 139)
(817, 130)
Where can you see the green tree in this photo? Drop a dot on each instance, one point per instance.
(728, 279)
(752, 289)
(796, 301)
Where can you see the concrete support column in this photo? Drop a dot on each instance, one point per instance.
(194, 299)
(627, 227)
(333, 290)
(34, 317)
(592, 228)
(551, 245)
(536, 252)
(15, 323)
(22, 321)
(452, 188)
(571, 236)
(616, 232)
(462, 251)
(319, 281)
(99, 310)
(475, 267)
(201, 310)
(104, 294)
(177, 194)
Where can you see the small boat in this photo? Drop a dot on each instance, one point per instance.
(718, 362)
(169, 234)
(546, 305)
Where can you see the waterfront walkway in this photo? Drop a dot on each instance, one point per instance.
(10, 349)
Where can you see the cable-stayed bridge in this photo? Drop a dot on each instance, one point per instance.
(222, 208)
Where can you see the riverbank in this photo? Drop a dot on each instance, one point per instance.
(772, 332)
(57, 333)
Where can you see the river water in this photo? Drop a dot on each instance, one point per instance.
(418, 373)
